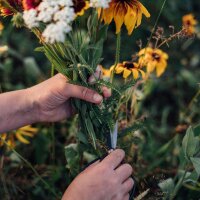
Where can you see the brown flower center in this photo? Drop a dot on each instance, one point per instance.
(156, 56)
(78, 5)
(129, 65)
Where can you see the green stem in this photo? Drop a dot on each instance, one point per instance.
(178, 185)
(32, 168)
(117, 55)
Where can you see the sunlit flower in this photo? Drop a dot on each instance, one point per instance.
(189, 23)
(20, 135)
(153, 59)
(30, 4)
(128, 12)
(128, 68)
(100, 3)
(80, 6)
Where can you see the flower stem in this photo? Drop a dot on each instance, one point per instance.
(117, 55)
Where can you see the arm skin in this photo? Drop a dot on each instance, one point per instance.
(48, 101)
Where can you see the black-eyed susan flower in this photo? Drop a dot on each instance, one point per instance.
(128, 12)
(153, 59)
(128, 68)
(80, 6)
(20, 135)
(189, 24)
(6, 11)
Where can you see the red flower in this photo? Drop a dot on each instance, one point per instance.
(15, 4)
(29, 4)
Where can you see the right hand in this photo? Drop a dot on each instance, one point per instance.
(105, 180)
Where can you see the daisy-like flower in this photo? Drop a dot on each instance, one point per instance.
(189, 23)
(20, 135)
(128, 68)
(3, 49)
(128, 12)
(80, 6)
(30, 18)
(153, 59)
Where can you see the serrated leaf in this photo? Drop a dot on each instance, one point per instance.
(196, 164)
(189, 143)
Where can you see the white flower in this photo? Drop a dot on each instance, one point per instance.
(67, 14)
(100, 3)
(30, 18)
(56, 32)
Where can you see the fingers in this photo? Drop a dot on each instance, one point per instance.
(106, 91)
(114, 159)
(92, 165)
(127, 185)
(124, 172)
(82, 93)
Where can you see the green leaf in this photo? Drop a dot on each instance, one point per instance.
(40, 49)
(189, 143)
(167, 186)
(196, 164)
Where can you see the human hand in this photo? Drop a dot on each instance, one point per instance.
(105, 180)
(51, 98)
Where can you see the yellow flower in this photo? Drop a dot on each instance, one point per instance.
(1, 27)
(80, 6)
(20, 134)
(106, 73)
(128, 12)
(128, 68)
(153, 59)
(25, 131)
(189, 23)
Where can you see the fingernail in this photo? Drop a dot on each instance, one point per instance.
(97, 98)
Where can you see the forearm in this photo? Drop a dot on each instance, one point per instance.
(16, 110)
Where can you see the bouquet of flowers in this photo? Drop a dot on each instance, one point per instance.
(72, 35)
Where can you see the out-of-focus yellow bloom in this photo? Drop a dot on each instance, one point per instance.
(1, 27)
(80, 6)
(153, 59)
(105, 72)
(20, 134)
(189, 23)
(128, 12)
(3, 49)
(128, 68)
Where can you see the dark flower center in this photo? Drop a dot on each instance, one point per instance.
(129, 65)
(78, 5)
(156, 56)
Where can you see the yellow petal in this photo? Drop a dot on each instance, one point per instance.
(126, 73)
(144, 10)
(119, 15)
(130, 19)
(135, 73)
(21, 138)
(108, 15)
(160, 69)
(119, 69)
(142, 73)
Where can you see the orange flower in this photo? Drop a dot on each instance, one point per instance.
(189, 23)
(153, 59)
(128, 68)
(128, 12)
